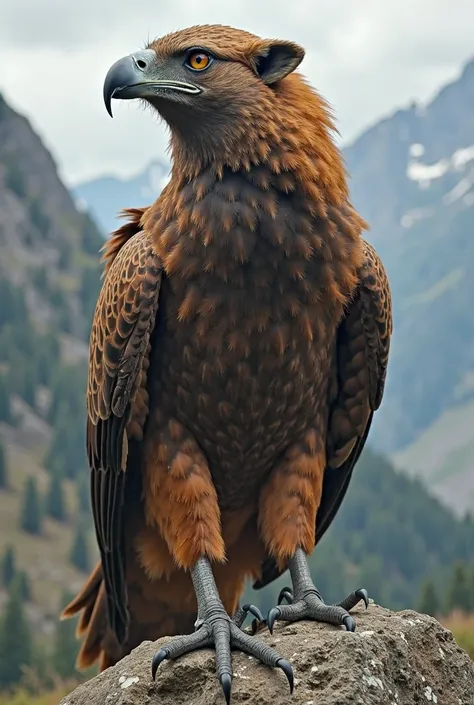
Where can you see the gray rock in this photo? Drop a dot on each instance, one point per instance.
(393, 658)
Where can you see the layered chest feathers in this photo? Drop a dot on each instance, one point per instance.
(251, 256)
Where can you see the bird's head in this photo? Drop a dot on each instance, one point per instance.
(205, 81)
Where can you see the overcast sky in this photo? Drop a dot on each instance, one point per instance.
(366, 56)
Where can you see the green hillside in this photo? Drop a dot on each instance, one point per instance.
(49, 279)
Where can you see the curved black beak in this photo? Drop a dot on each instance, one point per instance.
(126, 77)
(138, 76)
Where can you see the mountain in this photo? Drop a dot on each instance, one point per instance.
(412, 178)
(104, 197)
(49, 281)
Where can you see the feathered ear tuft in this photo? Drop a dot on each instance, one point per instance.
(275, 59)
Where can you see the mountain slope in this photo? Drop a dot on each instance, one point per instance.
(48, 247)
(411, 177)
(49, 280)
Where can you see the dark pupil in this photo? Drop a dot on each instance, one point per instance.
(199, 58)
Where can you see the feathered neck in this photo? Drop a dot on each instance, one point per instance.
(289, 128)
(261, 211)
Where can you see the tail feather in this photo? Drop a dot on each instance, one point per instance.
(91, 605)
(86, 597)
(92, 648)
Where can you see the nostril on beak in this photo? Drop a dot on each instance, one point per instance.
(140, 63)
(143, 59)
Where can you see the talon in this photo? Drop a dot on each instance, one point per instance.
(349, 623)
(274, 614)
(226, 683)
(257, 625)
(160, 656)
(362, 594)
(285, 593)
(287, 670)
(255, 611)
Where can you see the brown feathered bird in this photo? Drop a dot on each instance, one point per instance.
(238, 352)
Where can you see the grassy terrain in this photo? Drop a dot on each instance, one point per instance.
(462, 627)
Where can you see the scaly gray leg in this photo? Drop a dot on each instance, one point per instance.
(307, 603)
(215, 627)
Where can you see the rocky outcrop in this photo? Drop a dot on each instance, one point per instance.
(393, 658)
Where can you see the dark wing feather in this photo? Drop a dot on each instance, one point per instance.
(123, 322)
(362, 349)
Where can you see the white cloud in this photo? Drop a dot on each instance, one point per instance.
(366, 58)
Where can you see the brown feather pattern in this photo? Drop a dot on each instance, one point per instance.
(123, 321)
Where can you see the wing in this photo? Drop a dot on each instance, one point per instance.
(116, 396)
(361, 357)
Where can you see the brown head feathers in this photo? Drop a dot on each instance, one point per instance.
(253, 108)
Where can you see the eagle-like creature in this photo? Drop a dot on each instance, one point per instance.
(238, 352)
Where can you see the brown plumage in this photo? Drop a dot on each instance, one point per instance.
(238, 351)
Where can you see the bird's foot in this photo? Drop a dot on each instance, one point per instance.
(305, 602)
(310, 605)
(215, 628)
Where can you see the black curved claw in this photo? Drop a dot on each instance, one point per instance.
(362, 594)
(255, 611)
(158, 658)
(349, 623)
(288, 671)
(273, 615)
(254, 626)
(226, 683)
(285, 593)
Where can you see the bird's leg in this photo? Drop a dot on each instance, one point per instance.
(287, 519)
(215, 628)
(307, 603)
(181, 501)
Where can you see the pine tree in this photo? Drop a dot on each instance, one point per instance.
(65, 644)
(459, 590)
(31, 509)
(67, 454)
(13, 309)
(22, 583)
(79, 556)
(8, 567)
(5, 412)
(428, 602)
(22, 379)
(55, 501)
(3, 468)
(15, 642)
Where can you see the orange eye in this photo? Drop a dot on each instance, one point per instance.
(198, 61)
